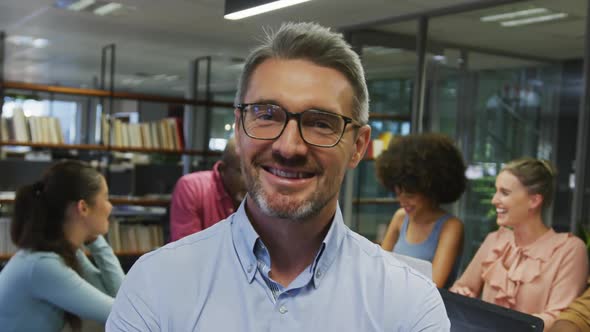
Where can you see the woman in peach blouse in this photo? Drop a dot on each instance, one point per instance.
(525, 265)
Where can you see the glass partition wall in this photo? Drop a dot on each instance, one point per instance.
(503, 81)
(390, 67)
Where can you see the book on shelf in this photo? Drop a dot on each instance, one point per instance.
(134, 237)
(378, 145)
(163, 134)
(32, 129)
(6, 245)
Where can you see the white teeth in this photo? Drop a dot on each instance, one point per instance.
(500, 210)
(285, 174)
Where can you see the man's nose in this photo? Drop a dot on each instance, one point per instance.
(290, 143)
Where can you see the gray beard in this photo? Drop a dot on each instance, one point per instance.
(299, 214)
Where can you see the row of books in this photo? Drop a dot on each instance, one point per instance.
(378, 145)
(6, 245)
(163, 134)
(122, 237)
(35, 129)
(134, 237)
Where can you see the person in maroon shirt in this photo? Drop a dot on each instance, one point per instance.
(201, 199)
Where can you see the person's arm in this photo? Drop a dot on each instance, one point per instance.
(576, 317)
(54, 282)
(450, 244)
(568, 283)
(107, 275)
(134, 308)
(470, 283)
(393, 230)
(565, 326)
(184, 219)
(430, 314)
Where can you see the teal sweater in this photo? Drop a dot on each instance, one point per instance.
(36, 288)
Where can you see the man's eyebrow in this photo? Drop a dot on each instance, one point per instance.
(276, 103)
(266, 101)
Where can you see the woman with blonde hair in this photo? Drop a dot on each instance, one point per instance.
(525, 265)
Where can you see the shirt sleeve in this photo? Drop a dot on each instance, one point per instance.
(578, 312)
(568, 283)
(184, 219)
(471, 280)
(431, 315)
(134, 308)
(56, 283)
(107, 275)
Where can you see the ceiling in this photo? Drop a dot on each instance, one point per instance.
(155, 37)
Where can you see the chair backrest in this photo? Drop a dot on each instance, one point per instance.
(420, 265)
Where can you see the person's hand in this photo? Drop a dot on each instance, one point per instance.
(564, 326)
(90, 239)
(462, 290)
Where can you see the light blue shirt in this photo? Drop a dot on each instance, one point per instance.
(214, 281)
(36, 288)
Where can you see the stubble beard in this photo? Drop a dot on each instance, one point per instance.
(285, 206)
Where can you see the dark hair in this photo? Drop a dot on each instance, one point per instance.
(428, 164)
(230, 155)
(537, 175)
(315, 43)
(40, 211)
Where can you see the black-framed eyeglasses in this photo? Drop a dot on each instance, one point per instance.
(318, 128)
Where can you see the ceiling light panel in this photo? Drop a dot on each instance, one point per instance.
(513, 15)
(536, 19)
(80, 5)
(259, 9)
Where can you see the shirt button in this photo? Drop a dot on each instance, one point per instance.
(283, 309)
(318, 273)
(250, 267)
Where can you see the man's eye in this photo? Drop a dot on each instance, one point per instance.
(264, 116)
(322, 124)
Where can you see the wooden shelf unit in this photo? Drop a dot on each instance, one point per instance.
(140, 201)
(107, 94)
(388, 116)
(375, 201)
(97, 147)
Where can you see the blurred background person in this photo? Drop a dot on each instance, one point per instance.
(576, 317)
(525, 265)
(201, 199)
(50, 280)
(425, 171)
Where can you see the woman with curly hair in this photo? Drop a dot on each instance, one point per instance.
(525, 265)
(425, 171)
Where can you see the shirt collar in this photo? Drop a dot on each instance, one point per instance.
(330, 248)
(244, 238)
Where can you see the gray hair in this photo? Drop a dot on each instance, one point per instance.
(313, 42)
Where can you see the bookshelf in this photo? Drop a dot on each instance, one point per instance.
(130, 234)
(99, 147)
(372, 205)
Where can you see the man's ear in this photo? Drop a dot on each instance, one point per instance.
(363, 138)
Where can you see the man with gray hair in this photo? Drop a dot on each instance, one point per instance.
(285, 261)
